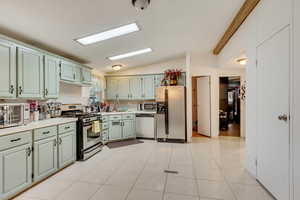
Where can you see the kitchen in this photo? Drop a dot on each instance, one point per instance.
(98, 105)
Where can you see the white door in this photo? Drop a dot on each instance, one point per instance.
(273, 101)
(203, 105)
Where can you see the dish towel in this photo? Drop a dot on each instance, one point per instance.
(96, 127)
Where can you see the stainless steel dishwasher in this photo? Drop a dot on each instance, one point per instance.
(146, 126)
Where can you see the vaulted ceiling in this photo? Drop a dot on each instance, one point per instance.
(169, 27)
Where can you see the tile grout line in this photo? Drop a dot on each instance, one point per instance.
(167, 176)
(194, 173)
(132, 187)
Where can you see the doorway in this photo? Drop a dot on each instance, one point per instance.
(229, 106)
(201, 101)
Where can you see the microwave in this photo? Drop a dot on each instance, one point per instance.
(14, 114)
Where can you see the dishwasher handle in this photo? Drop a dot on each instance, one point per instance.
(145, 115)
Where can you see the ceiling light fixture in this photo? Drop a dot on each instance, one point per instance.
(242, 61)
(116, 32)
(116, 67)
(131, 54)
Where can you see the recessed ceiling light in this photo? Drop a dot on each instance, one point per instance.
(116, 67)
(242, 61)
(116, 32)
(127, 55)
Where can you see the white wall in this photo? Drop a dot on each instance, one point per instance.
(268, 18)
(207, 65)
(177, 63)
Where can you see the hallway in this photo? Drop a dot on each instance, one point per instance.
(207, 169)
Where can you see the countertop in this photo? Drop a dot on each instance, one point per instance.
(36, 125)
(128, 112)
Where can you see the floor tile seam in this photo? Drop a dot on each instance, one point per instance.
(61, 192)
(194, 171)
(167, 176)
(139, 175)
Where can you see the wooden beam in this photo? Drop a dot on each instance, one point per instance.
(238, 20)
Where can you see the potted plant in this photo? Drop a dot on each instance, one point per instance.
(173, 75)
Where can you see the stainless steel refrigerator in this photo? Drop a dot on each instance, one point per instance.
(171, 114)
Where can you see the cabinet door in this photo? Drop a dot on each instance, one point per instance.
(77, 74)
(15, 170)
(45, 158)
(86, 76)
(123, 88)
(115, 130)
(158, 80)
(128, 129)
(67, 149)
(111, 88)
(30, 73)
(8, 70)
(148, 87)
(136, 88)
(51, 77)
(66, 71)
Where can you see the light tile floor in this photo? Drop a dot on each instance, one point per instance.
(208, 169)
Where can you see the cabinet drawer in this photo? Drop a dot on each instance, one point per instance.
(105, 125)
(104, 135)
(104, 118)
(43, 133)
(14, 140)
(66, 127)
(128, 116)
(115, 117)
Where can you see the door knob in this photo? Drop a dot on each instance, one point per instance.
(283, 117)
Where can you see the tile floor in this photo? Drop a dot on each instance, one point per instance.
(208, 169)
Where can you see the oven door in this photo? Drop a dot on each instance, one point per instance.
(90, 138)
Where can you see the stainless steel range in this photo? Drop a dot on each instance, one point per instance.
(88, 137)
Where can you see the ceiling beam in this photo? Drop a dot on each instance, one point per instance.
(238, 20)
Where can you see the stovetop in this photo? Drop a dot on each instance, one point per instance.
(80, 115)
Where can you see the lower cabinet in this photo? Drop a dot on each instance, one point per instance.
(122, 128)
(115, 130)
(45, 158)
(15, 170)
(128, 129)
(66, 149)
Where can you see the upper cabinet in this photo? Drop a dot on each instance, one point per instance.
(112, 89)
(148, 87)
(76, 74)
(8, 70)
(30, 73)
(136, 90)
(86, 76)
(51, 77)
(66, 71)
(123, 88)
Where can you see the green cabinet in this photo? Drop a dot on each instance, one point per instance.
(135, 87)
(51, 77)
(128, 129)
(8, 70)
(115, 130)
(66, 149)
(112, 88)
(86, 76)
(148, 87)
(66, 71)
(77, 74)
(30, 73)
(15, 170)
(123, 88)
(45, 158)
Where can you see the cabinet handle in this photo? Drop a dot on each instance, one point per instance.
(60, 141)
(20, 90)
(11, 89)
(74, 76)
(46, 92)
(67, 127)
(47, 132)
(29, 150)
(15, 140)
(55, 143)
